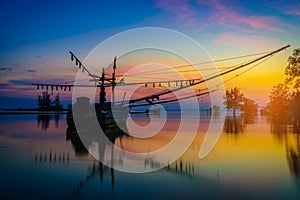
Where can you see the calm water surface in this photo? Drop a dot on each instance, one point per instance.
(252, 159)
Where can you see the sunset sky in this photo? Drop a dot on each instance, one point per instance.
(36, 37)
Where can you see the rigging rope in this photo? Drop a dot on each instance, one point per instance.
(206, 62)
(156, 95)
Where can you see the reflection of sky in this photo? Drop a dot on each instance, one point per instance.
(253, 164)
(35, 37)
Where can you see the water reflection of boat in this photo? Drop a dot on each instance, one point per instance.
(82, 111)
(111, 128)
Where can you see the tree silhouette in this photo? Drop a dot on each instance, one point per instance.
(234, 99)
(56, 103)
(250, 107)
(285, 98)
(292, 71)
(44, 101)
(279, 101)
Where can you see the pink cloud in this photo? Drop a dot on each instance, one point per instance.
(224, 16)
(294, 11)
(183, 10)
(259, 43)
(290, 8)
(218, 13)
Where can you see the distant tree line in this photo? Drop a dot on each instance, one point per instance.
(284, 99)
(236, 100)
(45, 103)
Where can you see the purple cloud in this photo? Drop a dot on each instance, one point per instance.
(5, 69)
(3, 84)
(217, 13)
(31, 70)
(20, 82)
(182, 10)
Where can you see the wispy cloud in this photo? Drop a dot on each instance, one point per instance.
(225, 16)
(3, 84)
(219, 14)
(288, 8)
(182, 9)
(20, 82)
(260, 43)
(5, 69)
(31, 70)
(294, 11)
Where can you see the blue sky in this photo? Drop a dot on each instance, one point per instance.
(36, 36)
(28, 22)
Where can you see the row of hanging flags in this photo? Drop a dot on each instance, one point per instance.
(96, 79)
(68, 87)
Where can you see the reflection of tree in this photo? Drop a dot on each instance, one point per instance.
(56, 120)
(234, 125)
(249, 119)
(296, 126)
(279, 130)
(51, 157)
(44, 120)
(181, 167)
(295, 106)
(284, 133)
(293, 153)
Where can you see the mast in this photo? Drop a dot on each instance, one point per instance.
(102, 90)
(113, 84)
